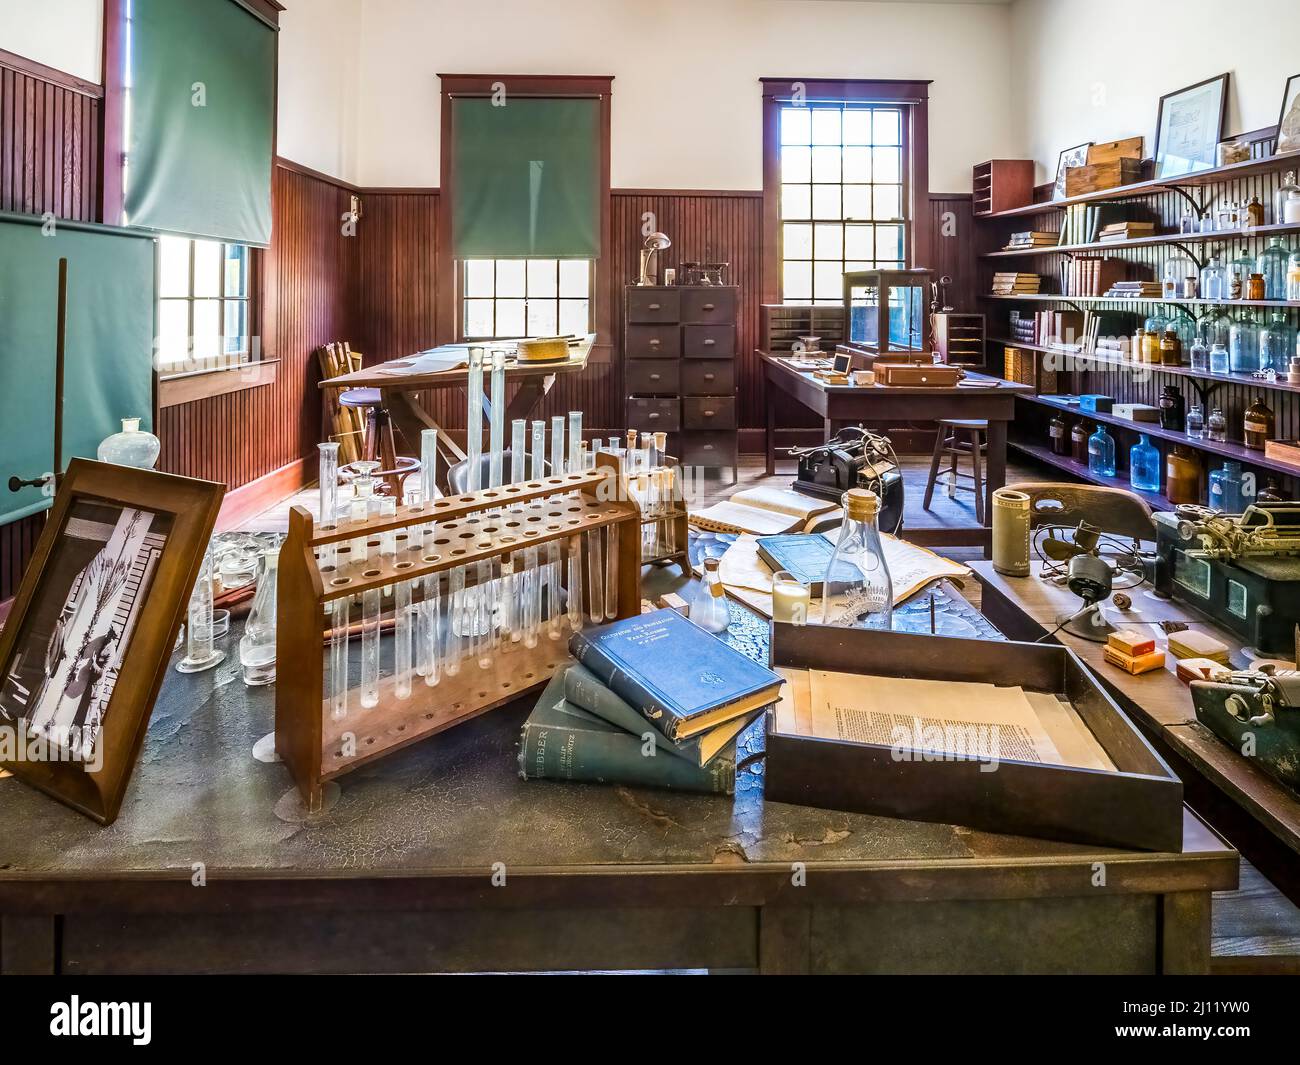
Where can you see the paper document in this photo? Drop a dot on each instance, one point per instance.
(764, 510)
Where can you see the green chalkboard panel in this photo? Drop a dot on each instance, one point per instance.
(110, 334)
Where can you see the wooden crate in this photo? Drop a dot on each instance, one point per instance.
(1097, 177)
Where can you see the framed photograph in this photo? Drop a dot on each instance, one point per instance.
(1189, 126)
(88, 640)
(1076, 156)
(1288, 122)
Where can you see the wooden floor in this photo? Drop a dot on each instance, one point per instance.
(1255, 929)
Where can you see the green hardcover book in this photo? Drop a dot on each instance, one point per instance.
(561, 741)
(584, 689)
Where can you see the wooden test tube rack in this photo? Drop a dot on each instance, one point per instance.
(470, 528)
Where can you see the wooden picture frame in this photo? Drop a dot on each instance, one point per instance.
(92, 629)
(1189, 126)
(1076, 156)
(1288, 139)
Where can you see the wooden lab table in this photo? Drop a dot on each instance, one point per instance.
(988, 398)
(440, 858)
(404, 381)
(1257, 813)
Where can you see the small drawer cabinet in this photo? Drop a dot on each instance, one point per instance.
(679, 370)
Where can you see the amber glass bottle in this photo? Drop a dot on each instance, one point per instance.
(1059, 431)
(1171, 348)
(1183, 475)
(1079, 442)
(1258, 425)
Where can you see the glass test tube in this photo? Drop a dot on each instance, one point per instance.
(474, 420)
(338, 677)
(485, 630)
(518, 450)
(575, 583)
(402, 635)
(611, 572)
(497, 432)
(329, 482)
(428, 466)
(575, 441)
(651, 452)
(388, 538)
(532, 596)
(553, 589)
(595, 577)
(539, 450)
(199, 651)
(557, 445)
(510, 586)
(370, 648)
(429, 664)
(455, 604)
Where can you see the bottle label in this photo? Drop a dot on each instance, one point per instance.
(1057, 431)
(1255, 426)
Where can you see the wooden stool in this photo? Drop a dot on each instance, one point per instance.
(380, 442)
(950, 442)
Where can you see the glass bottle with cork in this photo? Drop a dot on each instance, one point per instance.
(857, 590)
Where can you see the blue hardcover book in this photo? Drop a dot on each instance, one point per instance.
(805, 556)
(680, 677)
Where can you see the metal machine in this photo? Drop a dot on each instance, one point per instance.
(1257, 712)
(854, 458)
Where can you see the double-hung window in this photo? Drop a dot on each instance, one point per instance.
(525, 297)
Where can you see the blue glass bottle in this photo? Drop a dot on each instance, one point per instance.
(1101, 453)
(1272, 264)
(1243, 346)
(1276, 343)
(1228, 489)
(1144, 465)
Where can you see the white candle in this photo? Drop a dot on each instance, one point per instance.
(790, 599)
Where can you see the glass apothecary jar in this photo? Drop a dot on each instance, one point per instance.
(1228, 491)
(1216, 426)
(1196, 422)
(1101, 453)
(1171, 348)
(1144, 465)
(1214, 280)
(1276, 343)
(1182, 475)
(1239, 271)
(1079, 442)
(1257, 425)
(1243, 346)
(131, 447)
(1293, 276)
(1200, 356)
(1272, 263)
(1286, 201)
(1175, 271)
(1216, 328)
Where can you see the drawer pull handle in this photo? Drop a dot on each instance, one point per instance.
(654, 377)
(655, 307)
(710, 377)
(708, 447)
(710, 307)
(710, 342)
(708, 414)
(654, 342)
(653, 415)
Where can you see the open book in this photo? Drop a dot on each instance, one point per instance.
(763, 511)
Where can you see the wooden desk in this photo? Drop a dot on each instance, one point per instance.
(981, 396)
(1258, 814)
(398, 875)
(403, 381)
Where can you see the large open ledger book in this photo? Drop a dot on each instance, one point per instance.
(763, 510)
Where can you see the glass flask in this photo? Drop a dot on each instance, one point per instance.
(857, 590)
(131, 447)
(1214, 280)
(709, 606)
(1276, 343)
(1220, 361)
(1286, 201)
(1257, 425)
(1101, 453)
(1196, 422)
(1182, 475)
(1243, 347)
(1144, 465)
(1216, 426)
(1272, 263)
(257, 645)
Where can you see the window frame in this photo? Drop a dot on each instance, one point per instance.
(449, 299)
(557, 299)
(912, 97)
(224, 360)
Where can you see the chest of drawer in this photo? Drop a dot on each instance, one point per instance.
(709, 341)
(709, 449)
(653, 342)
(709, 412)
(708, 377)
(650, 376)
(653, 305)
(654, 415)
(709, 306)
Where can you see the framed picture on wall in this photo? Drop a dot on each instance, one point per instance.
(1189, 125)
(85, 649)
(1076, 156)
(1288, 121)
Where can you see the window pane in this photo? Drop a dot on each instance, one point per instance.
(889, 242)
(857, 164)
(857, 127)
(575, 317)
(857, 264)
(828, 281)
(797, 242)
(174, 266)
(797, 282)
(543, 318)
(796, 201)
(207, 329)
(888, 202)
(575, 278)
(478, 277)
(826, 201)
(236, 342)
(886, 166)
(543, 278)
(207, 268)
(478, 318)
(826, 164)
(236, 270)
(859, 242)
(510, 277)
(888, 127)
(857, 201)
(173, 331)
(796, 164)
(828, 242)
(825, 125)
(510, 318)
(795, 127)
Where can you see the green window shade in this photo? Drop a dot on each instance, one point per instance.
(525, 178)
(108, 375)
(201, 171)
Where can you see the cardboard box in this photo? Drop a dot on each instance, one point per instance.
(1136, 412)
(1139, 805)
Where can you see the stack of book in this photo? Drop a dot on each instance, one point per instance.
(1024, 327)
(654, 701)
(1135, 290)
(1032, 238)
(1011, 283)
(1126, 231)
(1085, 222)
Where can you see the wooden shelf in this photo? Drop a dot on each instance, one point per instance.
(1077, 469)
(1056, 297)
(1139, 189)
(1147, 242)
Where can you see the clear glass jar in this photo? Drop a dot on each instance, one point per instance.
(1196, 422)
(1220, 361)
(1144, 465)
(1214, 280)
(1243, 347)
(709, 607)
(1176, 269)
(1272, 263)
(1276, 343)
(1293, 276)
(864, 600)
(1101, 453)
(1286, 201)
(1216, 327)
(1200, 356)
(1216, 426)
(130, 447)
(257, 645)
(1239, 271)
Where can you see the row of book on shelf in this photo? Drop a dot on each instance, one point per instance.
(1080, 276)
(1087, 223)
(1103, 333)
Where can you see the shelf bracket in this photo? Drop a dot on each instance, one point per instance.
(1197, 206)
(1205, 389)
(1200, 263)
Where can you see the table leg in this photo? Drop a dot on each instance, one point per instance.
(411, 420)
(997, 464)
(28, 945)
(770, 436)
(784, 940)
(532, 390)
(1185, 932)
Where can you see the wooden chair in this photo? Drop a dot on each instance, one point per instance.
(949, 441)
(1112, 510)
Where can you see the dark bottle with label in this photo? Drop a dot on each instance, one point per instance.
(1272, 492)
(1173, 409)
(1258, 425)
(1079, 442)
(1059, 431)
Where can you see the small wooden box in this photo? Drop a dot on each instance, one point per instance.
(1139, 805)
(904, 374)
(1097, 177)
